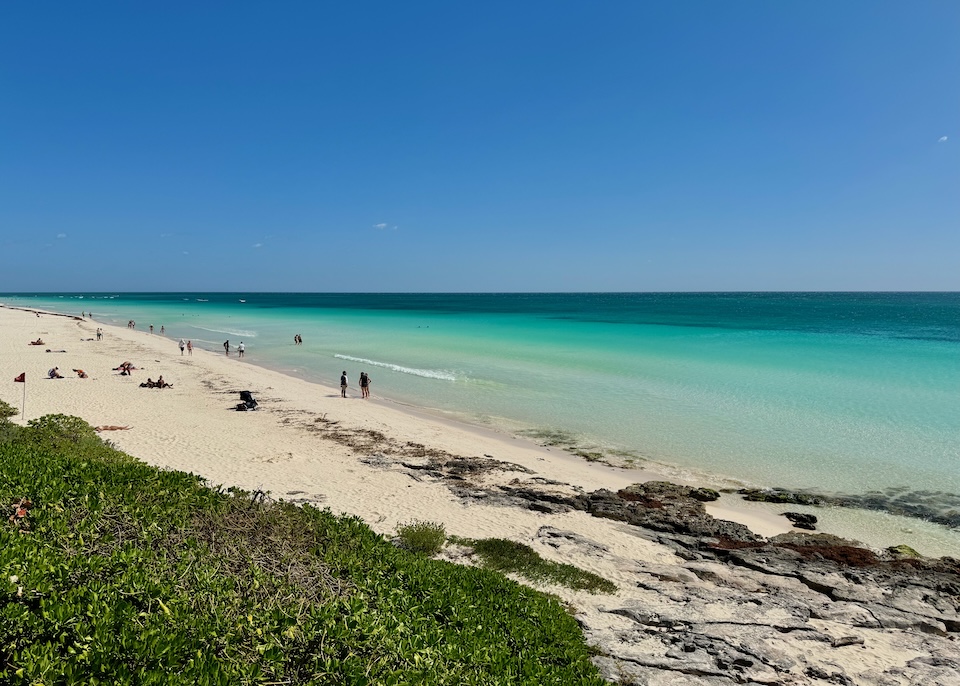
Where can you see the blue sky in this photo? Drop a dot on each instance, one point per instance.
(497, 146)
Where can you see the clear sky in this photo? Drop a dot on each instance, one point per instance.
(494, 146)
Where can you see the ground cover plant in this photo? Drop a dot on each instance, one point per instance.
(504, 555)
(120, 573)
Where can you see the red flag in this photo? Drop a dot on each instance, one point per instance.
(21, 379)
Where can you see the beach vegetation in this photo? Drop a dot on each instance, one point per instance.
(422, 537)
(504, 555)
(113, 571)
(7, 410)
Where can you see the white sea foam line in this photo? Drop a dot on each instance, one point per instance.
(427, 373)
(248, 334)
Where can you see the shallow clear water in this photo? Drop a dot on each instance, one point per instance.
(837, 392)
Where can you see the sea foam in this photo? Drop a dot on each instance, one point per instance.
(426, 373)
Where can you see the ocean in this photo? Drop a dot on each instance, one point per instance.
(836, 392)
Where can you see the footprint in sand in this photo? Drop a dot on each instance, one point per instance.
(271, 459)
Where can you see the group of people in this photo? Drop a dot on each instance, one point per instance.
(240, 348)
(159, 383)
(297, 339)
(365, 382)
(55, 373)
(188, 345)
(99, 333)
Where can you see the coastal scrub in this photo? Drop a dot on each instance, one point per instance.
(123, 573)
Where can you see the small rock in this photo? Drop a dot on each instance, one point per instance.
(902, 552)
(847, 641)
(802, 521)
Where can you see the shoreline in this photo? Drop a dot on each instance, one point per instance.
(873, 527)
(477, 437)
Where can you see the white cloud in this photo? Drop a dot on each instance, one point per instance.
(379, 226)
(61, 235)
(943, 139)
(258, 245)
(185, 252)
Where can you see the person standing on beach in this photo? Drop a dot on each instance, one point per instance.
(151, 328)
(364, 385)
(99, 333)
(162, 330)
(240, 349)
(182, 346)
(189, 347)
(343, 384)
(226, 347)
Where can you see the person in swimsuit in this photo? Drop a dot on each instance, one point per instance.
(364, 385)
(343, 384)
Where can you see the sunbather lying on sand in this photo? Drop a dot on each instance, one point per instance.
(125, 368)
(159, 383)
(82, 374)
(39, 341)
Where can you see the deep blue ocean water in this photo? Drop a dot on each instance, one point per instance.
(844, 392)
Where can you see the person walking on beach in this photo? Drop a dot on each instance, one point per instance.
(162, 330)
(151, 328)
(99, 333)
(343, 384)
(182, 346)
(364, 385)
(189, 347)
(226, 347)
(240, 349)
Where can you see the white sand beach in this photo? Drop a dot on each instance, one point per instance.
(288, 448)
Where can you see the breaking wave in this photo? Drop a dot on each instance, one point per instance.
(245, 334)
(426, 373)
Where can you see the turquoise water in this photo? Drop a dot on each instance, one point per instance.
(836, 392)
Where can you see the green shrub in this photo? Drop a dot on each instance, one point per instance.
(7, 410)
(422, 537)
(509, 556)
(61, 427)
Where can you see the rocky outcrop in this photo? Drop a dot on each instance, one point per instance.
(781, 612)
(936, 506)
(715, 604)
